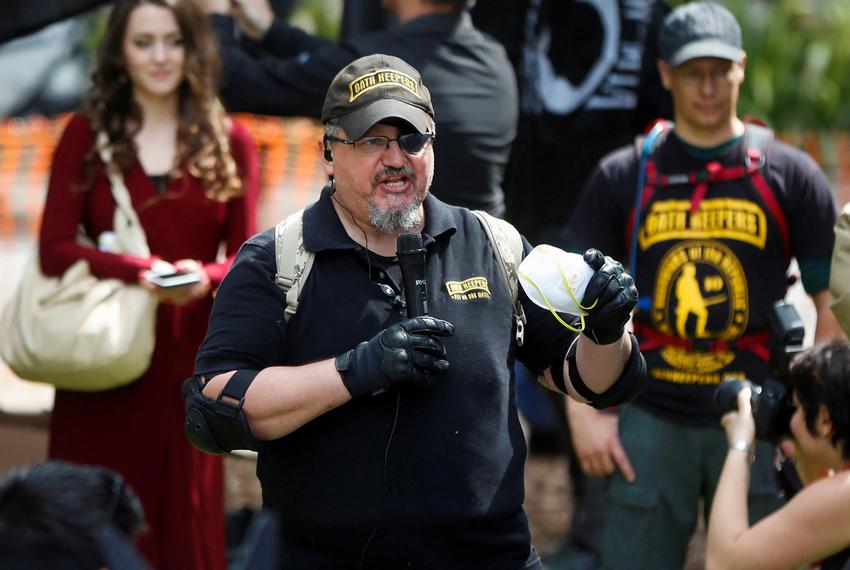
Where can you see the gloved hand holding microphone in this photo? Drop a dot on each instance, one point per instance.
(409, 352)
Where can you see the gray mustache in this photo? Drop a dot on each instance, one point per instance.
(393, 172)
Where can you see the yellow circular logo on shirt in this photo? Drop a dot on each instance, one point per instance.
(700, 293)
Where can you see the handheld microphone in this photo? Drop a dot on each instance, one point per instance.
(411, 258)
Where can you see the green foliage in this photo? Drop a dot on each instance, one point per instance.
(319, 17)
(95, 22)
(797, 61)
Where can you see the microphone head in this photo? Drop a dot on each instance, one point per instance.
(409, 243)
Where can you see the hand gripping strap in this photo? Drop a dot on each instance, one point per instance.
(219, 426)
(624, 389)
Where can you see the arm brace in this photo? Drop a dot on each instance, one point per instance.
(219, 426)
(624, 389)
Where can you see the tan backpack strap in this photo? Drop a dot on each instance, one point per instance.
(294, 261)
(509, 250)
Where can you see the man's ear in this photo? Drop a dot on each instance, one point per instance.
(327, 157)
(743, 66)
(666, 74)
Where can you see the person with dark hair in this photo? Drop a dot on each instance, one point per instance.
(471, 81)
(387, 436)
(709, 212)
(812, 529)
(192, 176)
(52, 515)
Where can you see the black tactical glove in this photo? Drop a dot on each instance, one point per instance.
(615, 295)
(406, 352)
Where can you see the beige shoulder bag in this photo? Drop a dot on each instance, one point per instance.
(78, 332)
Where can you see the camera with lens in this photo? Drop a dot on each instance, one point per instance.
(771, 403)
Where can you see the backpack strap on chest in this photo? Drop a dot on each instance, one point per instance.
(756, 147)
(508, 248)
(757, 141)
(645, 147)
(292, 259)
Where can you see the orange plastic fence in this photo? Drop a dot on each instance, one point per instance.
(291, 168)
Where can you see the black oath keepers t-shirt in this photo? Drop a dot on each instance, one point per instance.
(711, 272)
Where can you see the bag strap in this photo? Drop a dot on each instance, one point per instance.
(128, 229)
(645, 147)
(756, 147)
(293, 260)
(757, 141)
(508, 248)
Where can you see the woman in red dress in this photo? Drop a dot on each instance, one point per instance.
(192, 175)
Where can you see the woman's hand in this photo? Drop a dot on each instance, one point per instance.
(739, 424)
(178, 295)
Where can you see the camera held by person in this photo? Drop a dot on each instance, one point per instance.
(812, 526)
(770, 402)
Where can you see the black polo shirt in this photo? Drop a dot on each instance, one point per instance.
(438, 472)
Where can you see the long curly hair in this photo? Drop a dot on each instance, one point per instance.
(203, 146)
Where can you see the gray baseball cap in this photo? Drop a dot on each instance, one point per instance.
(374, 88)
(700, 29)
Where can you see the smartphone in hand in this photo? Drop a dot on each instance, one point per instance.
(169, 280)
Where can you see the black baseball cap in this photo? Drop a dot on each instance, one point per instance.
(700, 29)
(374, 88)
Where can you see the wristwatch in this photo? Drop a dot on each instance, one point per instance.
(746, 447)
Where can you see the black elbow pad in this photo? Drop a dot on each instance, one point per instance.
(623, 390)
(219, 426)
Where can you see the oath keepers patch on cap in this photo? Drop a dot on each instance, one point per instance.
(375, 88)
(381, 78)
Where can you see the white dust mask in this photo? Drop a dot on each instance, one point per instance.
(556, 280)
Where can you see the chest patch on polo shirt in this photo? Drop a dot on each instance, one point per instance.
(468, 289)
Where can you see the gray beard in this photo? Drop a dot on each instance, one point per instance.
(391, 221)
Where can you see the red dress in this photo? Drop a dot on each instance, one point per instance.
(137, 430)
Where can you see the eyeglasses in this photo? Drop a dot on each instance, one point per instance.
(411, 144)
(722, 75)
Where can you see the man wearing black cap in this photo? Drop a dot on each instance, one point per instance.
(389, 442)
(709, 214)
(287, 73)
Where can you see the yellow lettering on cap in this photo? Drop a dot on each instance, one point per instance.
(382, 78)
(358, 86)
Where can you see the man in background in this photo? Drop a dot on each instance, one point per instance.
(710, 233)
(287, 72)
